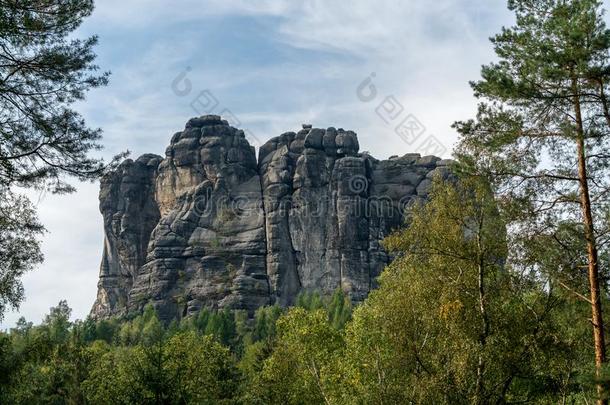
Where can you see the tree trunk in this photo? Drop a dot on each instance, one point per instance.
(593, 268)
(479, 389)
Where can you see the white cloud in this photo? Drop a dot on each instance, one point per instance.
(153, 13)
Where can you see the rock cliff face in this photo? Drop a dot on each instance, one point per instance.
(210, 226)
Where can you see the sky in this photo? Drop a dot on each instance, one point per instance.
(267, 66)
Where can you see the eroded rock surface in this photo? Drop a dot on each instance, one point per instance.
(210, 226)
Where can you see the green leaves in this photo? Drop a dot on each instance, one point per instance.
(42, 73)
(187, 368)
(449, 307)
(43, 141)
(541, 137)
(19, 246)
(302, 368)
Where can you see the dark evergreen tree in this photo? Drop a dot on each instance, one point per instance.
(44, 70)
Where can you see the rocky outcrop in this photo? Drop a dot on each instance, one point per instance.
(130, 214)
(210, 226)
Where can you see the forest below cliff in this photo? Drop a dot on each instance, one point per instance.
(424, 336)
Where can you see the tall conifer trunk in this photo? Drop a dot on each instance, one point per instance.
(593, 267)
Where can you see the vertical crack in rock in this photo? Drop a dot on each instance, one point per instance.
(264, 213)
(209, 226)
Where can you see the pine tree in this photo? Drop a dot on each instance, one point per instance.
(44, 70)
(543, 127)
(42, 73)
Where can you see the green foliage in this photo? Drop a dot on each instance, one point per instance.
(186, 368)
(19, 246)
(451, 323)
(338, 306)
(57, 322)
(265, 320)
(541, 137)
(44, 70)
(302, 366)
(310, 300)
(525, 137)
(339, 309)
(211, 357)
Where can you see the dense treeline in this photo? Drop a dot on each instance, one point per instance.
(208, 358)
(452, 322)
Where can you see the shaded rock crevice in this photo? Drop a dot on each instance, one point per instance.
(210, 226)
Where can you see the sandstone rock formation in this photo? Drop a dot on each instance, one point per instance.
(210, 226)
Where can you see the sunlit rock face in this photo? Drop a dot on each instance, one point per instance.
(210, 226)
